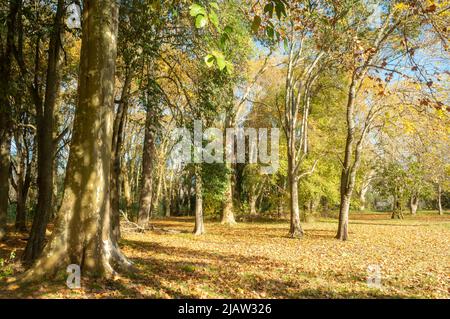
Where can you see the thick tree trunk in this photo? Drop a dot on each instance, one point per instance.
(439, 200)
(227, 213)
(6, 56)
(414, 204)
(199, 227)
(82, 232)
(45, 141)
(343, 218)
(145, 199)
(117, 141)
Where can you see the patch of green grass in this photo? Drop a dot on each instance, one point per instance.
(189, 268)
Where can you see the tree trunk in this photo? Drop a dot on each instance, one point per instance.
(117, 141)
(145, 199)
(252, 201)
(364, 189)
(295, 230)
(441, 211)
(227, 213)
(343, 218)
(348, 175)
(199, 228)
(82, 232)
(413, 204)
(126, 189)
(6, 56)
(45, 142)
(5, 147)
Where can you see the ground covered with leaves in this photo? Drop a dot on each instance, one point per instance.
(258, 260)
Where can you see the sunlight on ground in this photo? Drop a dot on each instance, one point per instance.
(257, 260)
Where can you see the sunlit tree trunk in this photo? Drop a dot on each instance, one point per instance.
(227, 213)
(295, 230)
(364, 189)
(413, 204)
(82, 233)
(439, 200)
(199, 227)
(252, 201)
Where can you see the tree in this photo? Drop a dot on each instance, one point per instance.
(82, 232)
(6, 57)
(45, 140)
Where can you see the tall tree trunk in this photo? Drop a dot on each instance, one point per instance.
(6, 56)
(227, 213)
(295, 230)
(126, 190)
(364, 189)
(413, 204)
(439, 200)
(199, 228)
(117, 142)
(145, 198)
(45, 141)
(82, 232)
(348, 175)
(5, 147)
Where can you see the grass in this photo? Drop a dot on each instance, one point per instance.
(258, 260)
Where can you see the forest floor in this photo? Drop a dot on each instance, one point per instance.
(258, 260)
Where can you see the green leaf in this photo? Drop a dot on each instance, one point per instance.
(280, 9)
(228, 29)
(196, 9)
(270, 32)
(220, 59)
(214, 18)
(201, 21)
(209, 60)
(268, 8)
(256, 24)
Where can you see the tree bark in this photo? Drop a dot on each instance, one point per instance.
(199, 227)
(45, 141)
(6, 56)
(146, 195)
(295, 230)
(227, 213)
(117, 142)
(414, 204)
(82, 232)
(22, 185)
(364, 189)
(439, 201)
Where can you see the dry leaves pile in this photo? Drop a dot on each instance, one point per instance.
(257, 260)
